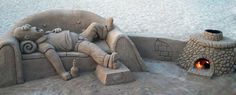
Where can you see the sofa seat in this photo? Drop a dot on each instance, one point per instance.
(36, 66)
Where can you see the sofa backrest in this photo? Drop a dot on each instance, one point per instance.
(73, 20)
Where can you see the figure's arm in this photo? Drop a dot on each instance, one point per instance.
(54, 59)
(48, 32)
(57, 30)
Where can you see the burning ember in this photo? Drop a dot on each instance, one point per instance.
(202, 63)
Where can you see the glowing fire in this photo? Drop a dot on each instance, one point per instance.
(198, 65)
(202, 63)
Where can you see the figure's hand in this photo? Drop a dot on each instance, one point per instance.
(66, 76)
(56, 30)
(26, 27)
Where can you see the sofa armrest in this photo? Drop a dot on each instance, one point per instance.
(127, 51)
(10, 54)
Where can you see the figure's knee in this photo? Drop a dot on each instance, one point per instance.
(94, 24)
(100, 30)
(86, 47)
(94, 27)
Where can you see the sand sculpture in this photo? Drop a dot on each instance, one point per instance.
(67, 42)
(63, 40)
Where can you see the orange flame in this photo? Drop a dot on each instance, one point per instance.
(198, 65)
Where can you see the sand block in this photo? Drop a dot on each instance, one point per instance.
(114, 76)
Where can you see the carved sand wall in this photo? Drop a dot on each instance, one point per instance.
(158, 48)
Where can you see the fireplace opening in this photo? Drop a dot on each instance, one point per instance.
(202, 63)
(213, 31)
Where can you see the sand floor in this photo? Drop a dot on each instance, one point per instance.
(163, 78)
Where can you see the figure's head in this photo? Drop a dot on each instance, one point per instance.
(26, 32)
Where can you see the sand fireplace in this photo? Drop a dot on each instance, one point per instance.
(209, 54)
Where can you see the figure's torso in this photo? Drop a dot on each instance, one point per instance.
(63, 41)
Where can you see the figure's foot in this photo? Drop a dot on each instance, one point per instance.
(114, 63)
(109, 23)
(66, 76)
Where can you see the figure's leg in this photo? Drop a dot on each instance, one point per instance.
(100, 56)
(96, 30)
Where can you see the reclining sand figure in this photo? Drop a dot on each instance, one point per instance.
(57, 40)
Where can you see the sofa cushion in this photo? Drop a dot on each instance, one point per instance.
(102, 44)
(38, 55)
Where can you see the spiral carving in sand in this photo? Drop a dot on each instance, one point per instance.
(28, 47)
